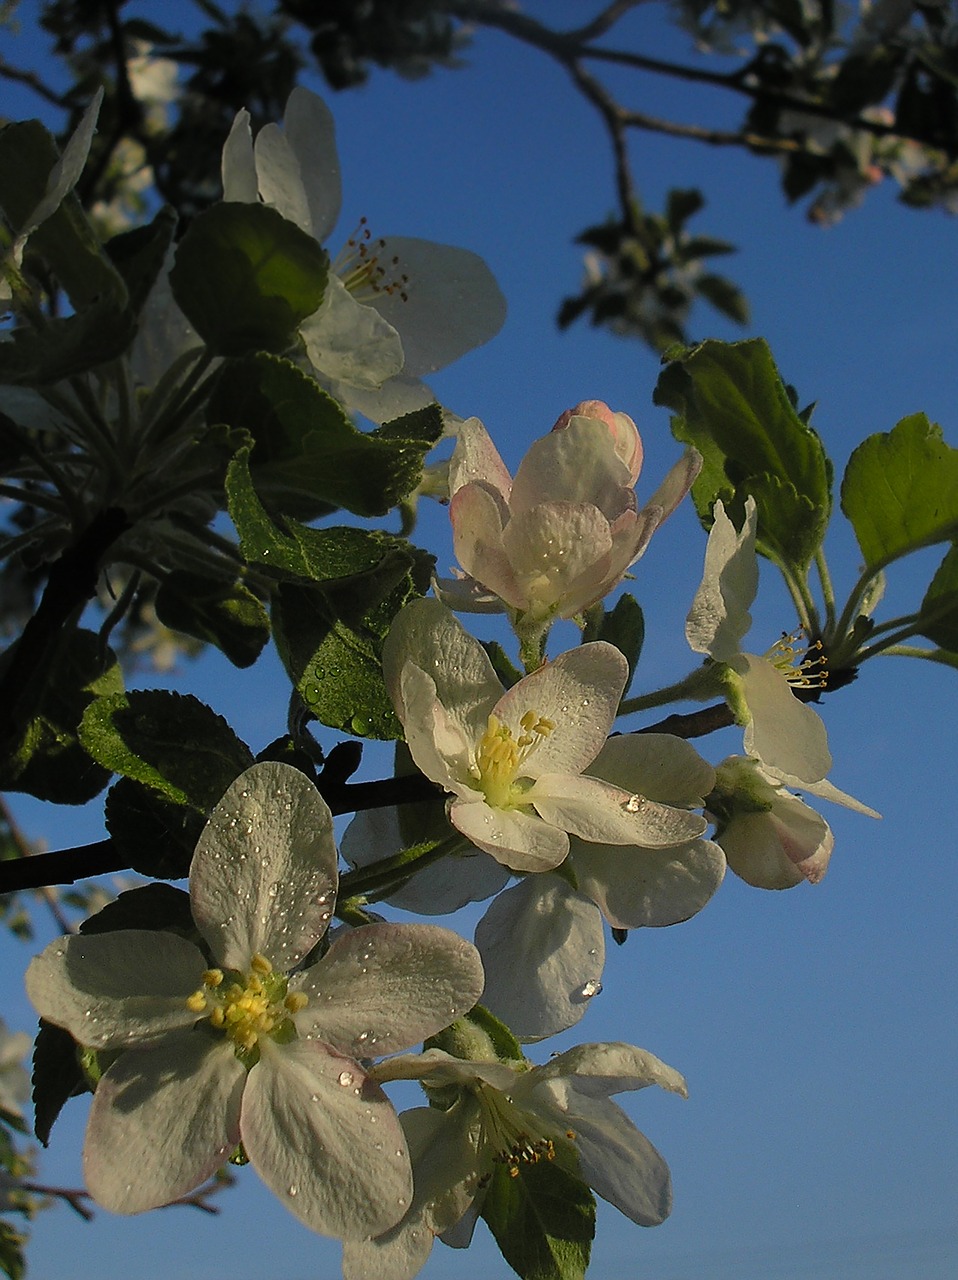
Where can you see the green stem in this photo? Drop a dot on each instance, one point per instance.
(382, 877)
(889, 642)
(943, 656)
(828, 591)
(850, 612)
(698, 686)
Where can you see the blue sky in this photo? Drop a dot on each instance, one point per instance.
(816, 1027)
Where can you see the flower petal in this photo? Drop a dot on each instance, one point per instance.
(603, 814)
(163, 1119)
(556, 550)
(579, 692)
(384, 987)
(719, 616)
(325, 1140)
(476, 458)
(264, 873)
(278, 176)
(637, 887)
(349, 341)
(477, 536)
(237, 165)
(578, 464)
(677, 483)
(397, 396)
(656, 765)
(449, 302)
(553, 937)
(114, 989)
(518, 840)
(785, 734)
(606, 1068)
(311, 132)
(780, 848)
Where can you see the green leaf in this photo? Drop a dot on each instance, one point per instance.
(724, 297)
(731, 403)
(139, 256)
(57, 1076)
(155, 835)
(68, 345)
(47, 759)
(12, 1261)
(543, 1220)
(225, 614)
(149, 906)
(900, 491)
(246, 278)
(171, 742)
(939, 609)
(65, 240)
(623, 626)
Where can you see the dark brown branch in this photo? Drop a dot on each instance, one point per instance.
(694, 724)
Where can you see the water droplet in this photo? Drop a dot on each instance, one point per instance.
(634, 804)
(590, 988)
(313, 1097)
(346, 1078)
(293, 1189)
(273, 889)
(400, 1200)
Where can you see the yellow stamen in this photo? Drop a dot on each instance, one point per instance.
(500, 756)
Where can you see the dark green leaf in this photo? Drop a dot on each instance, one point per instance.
(246, 278)
(155, 835)
(225, 614)
(171, 742)
(67, 345)
(47, 759)
(543, 1220)
(724, 296)
(732, 405)
(939, 609)
(308, 457)
(57, 1076)
(623, 626)
(900, 491)
(149, 906)
(139, 256)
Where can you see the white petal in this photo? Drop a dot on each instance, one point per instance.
(603, 814)
(325, 1140)
(397, 396)
(278, 176)
(311, 132)
(543, 951)
(350, 342)
(636, 887)
(384, 987)
(618, 1162)
(477, 536)
(237, 167)
(719, 616)
(65, 174)
(578, 464)
(579, 692)
(677, 483)
(439, 889)
(785, 734)
(438, 742)
(656, 765)
(602, 1069)
(556, 550)
(428, 634)
(163, 1120)
(263, 877)
(476, 458)
(826, 791)
(113, 989)
(449, 302)
(518, 840)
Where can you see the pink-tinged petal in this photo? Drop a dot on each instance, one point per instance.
(780, 848)
(624, 433)
(578, 464)
(384, 987)
(677, 483)
(598, 812)
(656, 765)
(619, 1163)
(426, 634)
(631, 533)
(444, 301)
(466, 595)
(163, 1120)
(477, 536)
(518, 840)
(719, 616)
(579, 692)
(278, 175)
(543, 951)
(350, 342)
(237, 167)
(785, 734)
(476, 458)
(116, 989)
(636, 888)
(445, 886)
(264, 874)
(325, 1140)
(438, 742)
(311, 133)
(553, 548)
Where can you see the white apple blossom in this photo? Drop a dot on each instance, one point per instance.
(565, 531)
(227, 1040)
(513, 760)
(514, 1114)
(395, 308)
(784, 734)
(772, 839)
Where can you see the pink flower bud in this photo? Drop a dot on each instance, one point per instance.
(625, 436)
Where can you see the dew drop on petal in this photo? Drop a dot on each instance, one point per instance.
(293, 1189)
(634, 804)
(590, 988)
(346, 1078)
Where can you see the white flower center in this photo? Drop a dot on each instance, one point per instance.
(500, 756)
(516, 1137)
(247, 1006)
(803, 666)
(366, 269)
